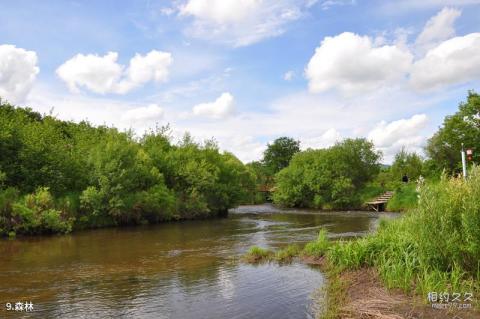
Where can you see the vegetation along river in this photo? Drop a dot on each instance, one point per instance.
(173, 270)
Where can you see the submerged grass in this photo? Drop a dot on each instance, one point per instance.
(288, 253)
(257, 254)
(319, 247)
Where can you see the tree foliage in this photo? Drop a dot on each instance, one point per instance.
(328, 178)
(278, 154)
(55, 175)
(405, 163)
(462, 127)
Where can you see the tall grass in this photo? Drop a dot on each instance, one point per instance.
(434, 247)
(319, 247)
(404, 198)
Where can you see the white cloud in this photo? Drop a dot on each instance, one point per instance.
(245, 147)
(240, 22)
(288, 76)
(222, 107)
(453, 61)
(350, 63)
(438, 28)
(18, 70)
(151, 112)
(395, 6)
(220, 11)
(328, 138)
(391, 137)
(102, 74)
(327, 4)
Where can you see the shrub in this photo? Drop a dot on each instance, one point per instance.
(36, 213)
(153, 205)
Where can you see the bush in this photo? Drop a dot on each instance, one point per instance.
(330, 177)
(7, 199)
(154, 205)
(36, 213)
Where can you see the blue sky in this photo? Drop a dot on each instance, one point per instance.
(246, 71)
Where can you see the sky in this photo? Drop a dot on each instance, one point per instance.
(245, 72)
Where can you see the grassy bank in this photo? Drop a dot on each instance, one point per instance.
(434, 247)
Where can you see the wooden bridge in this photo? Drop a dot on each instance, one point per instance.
(379, 203)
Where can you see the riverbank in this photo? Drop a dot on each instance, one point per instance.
(361, 294)
(430, 257)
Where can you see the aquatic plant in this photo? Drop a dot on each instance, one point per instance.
(257, 254)
(287, 253)
(319, 247)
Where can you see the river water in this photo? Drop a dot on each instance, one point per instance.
(172, 270)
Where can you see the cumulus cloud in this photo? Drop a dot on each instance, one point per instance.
(103, 74)
(391, 137)
(240, 22)
(351, 63)
(438, 28)
(453, 61)
(222, 107)
(247, 148)
(328, 138)
(18, 70)
(151, 112)
(327, 4)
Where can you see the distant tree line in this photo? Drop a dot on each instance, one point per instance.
(348, 173)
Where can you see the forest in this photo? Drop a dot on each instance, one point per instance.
(57, 176)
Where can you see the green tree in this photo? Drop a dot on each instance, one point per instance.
(407, 163)
(57, 175)
(462, 127)
(328, 178)
(278, 154)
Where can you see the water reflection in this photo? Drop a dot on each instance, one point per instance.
(176, 270)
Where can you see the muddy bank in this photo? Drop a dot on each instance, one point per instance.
(361, 294)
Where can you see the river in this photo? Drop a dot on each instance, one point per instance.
(172, 270)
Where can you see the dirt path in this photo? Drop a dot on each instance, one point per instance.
(366, 297)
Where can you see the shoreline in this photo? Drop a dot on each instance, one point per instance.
(360, 293)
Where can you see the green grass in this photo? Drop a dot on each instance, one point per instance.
(404, 198)
(370, 191)
(319, 247)
(257, 254)
(288, 253)
(433, 247)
